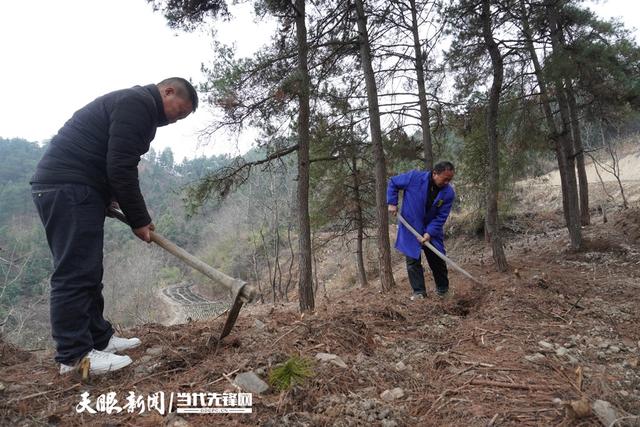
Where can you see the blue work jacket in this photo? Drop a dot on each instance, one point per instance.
(415, 185)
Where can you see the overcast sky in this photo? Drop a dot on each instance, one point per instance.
(57, 55)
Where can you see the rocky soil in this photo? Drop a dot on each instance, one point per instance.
(554, 341)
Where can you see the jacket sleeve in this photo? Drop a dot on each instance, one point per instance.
(435, 226)
(130, 121)
(396, 183)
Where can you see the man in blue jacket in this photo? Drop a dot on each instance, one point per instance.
(92, 161)
(426, 204)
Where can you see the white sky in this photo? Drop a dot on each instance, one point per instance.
(57, 55)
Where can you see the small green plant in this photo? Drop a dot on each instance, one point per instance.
(294, 371)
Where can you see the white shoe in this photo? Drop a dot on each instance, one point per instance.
(100, 362)
(416, 297)
(121, 344)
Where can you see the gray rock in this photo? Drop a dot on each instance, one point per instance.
(606, 412)
(331, 358)
(400, 366)
(259, 324)
(386, 396)
(389, 423)
(398, 393)
(393, 394)
(538, 357)
(155, 351)
(250, 382)
(2, 387)
(614, 349)
(561, 351)
(259, 371)
(545, 345)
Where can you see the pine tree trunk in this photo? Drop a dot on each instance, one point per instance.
(573, 204)
(578, 149)
(422, 93)
(384, 247)
(305, 281)
(493, 172)
(577, 146)
(362, 274)
(559, 140)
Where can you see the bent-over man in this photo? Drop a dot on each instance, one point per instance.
(92, 161)
(426, 203)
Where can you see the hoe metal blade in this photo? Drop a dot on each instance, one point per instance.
(242, 292)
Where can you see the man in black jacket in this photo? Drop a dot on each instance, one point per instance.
(91, 162)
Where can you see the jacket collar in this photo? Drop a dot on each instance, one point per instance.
(162, 117)
(442, 190)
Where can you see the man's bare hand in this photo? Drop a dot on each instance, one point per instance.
(393, 210)
(144, 233)
(425, 238)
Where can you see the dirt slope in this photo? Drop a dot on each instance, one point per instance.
(558, 327)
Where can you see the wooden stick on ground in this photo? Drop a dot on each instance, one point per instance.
(511, 385)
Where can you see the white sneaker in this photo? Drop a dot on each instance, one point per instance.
(121, 344)
(100, 362)
(416, 297)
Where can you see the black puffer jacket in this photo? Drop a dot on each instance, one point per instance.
(101, 146)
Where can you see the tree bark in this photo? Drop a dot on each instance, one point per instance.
(362, 274)
(559, 140)
(305, 281)
(578, 149)
(427, 147)
(384, 247)
(493, 172)
(573, 204)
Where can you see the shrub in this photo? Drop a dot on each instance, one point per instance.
(294, 371)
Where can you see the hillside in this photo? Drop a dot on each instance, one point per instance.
(559, 327)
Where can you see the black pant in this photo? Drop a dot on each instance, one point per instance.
(416, 273)
(73, 218)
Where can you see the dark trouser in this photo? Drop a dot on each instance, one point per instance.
(73, 218)
(416, 273)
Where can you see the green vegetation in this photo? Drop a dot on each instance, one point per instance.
(290, 373)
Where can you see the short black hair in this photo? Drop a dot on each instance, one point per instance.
(184, 89)
(443, 166)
